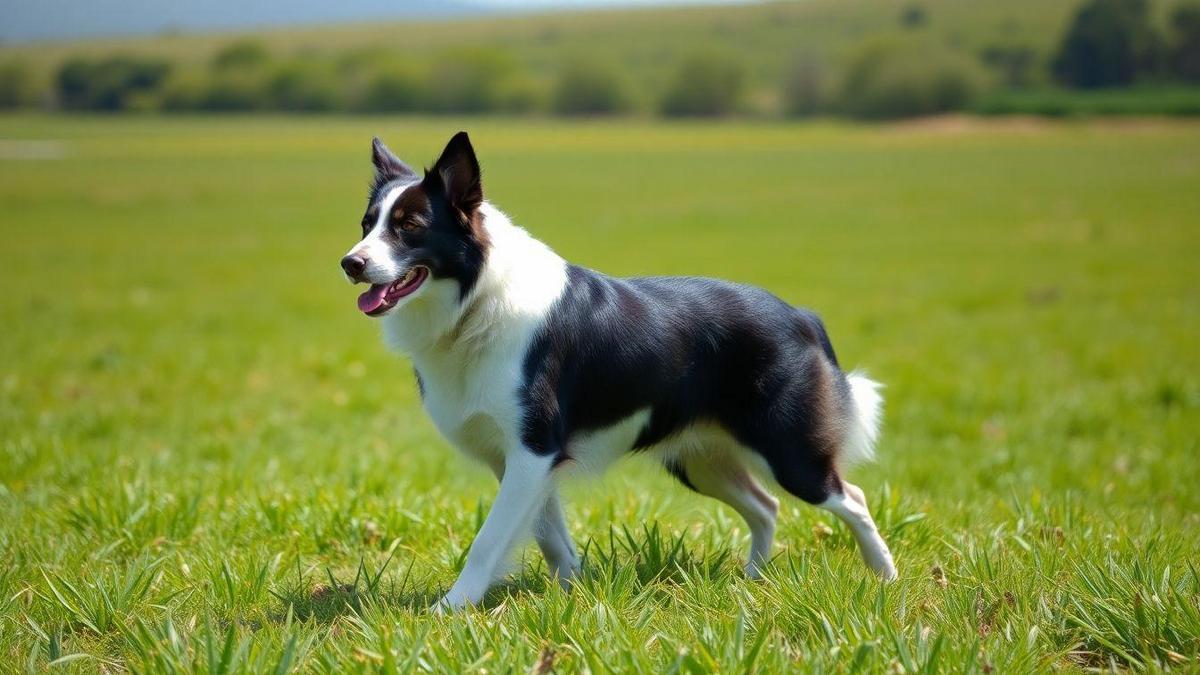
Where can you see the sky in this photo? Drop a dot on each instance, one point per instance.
(31, 20)
(525, 4)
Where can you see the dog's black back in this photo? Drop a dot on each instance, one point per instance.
(689, 350)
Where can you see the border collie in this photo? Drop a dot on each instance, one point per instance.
(537, 367)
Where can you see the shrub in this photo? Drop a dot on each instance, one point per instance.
(1108, 43)
(16, 85)
(468, 81)
(393, 88)
(109, 84)
(587, 88)
(234, 92)
(303, 86)
(805, 86)
(240, 55)
(520, 93)
(892, 79)
(913, 16)
(74, 83)
(1185, 42)
(1014, 64)
(706, 84)
(183, 91)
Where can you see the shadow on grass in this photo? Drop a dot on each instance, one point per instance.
(643, 561)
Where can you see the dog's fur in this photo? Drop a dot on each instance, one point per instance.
(535, 367)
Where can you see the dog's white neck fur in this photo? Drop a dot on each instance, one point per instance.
(520, 280)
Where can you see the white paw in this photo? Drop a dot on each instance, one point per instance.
(565, 573)
(450, 603)
(885, 568)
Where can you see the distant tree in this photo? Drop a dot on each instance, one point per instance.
(905, 78)
(184, 90)
(705, 85)
(469, 80)
(1185, 42)
(110, 84)
(520, 93)
(913, 16)
(16, 85)
(234, 92)
(805, 85)
(303, 85)
(393, 87)
(588, 88)
(240, 54)
(1108, 43)
(1013, 63)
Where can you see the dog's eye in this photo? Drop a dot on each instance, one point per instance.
(410, 226)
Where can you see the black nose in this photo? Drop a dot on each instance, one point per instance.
(354, 266)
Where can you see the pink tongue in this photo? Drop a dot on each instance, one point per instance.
(372, 298)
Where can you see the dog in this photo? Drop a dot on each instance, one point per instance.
(537, 367)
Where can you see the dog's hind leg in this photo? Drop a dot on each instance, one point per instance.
(725, 478)
(851, 506)
(554, 540)
(817, 482)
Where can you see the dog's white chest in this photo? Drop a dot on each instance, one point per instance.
(475, 408)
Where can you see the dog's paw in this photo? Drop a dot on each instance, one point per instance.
(443, 607)
(884, 568)
(450, 603)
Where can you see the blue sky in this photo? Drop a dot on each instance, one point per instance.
(24, 20)
(523, 4)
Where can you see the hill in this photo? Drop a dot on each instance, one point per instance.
(642, 43)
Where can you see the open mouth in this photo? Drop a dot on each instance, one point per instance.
(379, 298)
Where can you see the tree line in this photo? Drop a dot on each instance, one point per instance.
(1108, 43)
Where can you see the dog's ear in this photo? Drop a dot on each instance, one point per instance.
(387, 165)
(456, 176)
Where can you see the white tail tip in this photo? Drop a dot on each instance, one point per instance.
(862, 429)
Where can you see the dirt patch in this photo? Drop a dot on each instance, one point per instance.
(958, 124)
(961, 125)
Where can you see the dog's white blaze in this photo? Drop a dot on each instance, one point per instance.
(381, 268)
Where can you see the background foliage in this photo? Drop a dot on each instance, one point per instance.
(865, 58)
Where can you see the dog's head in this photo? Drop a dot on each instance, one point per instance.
(419, 230)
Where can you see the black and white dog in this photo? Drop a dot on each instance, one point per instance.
(537, 367)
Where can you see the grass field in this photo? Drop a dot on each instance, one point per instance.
(208, 461)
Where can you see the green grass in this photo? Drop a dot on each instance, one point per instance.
(1132, 101)
(208, 462)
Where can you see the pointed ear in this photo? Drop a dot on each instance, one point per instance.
(456, 173)
(387, 165)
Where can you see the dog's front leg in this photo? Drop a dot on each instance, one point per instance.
(526, 483)
(551, 533)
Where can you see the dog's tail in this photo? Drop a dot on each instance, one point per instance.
(862, 426)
